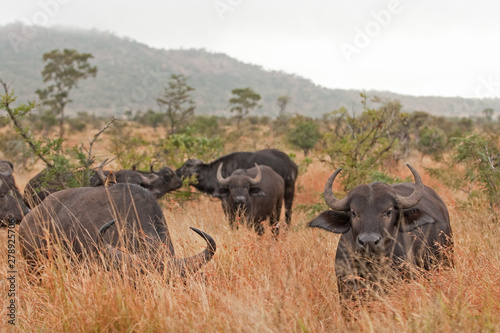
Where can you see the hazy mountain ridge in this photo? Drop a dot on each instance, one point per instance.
(131, 75)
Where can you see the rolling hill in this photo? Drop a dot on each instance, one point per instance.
(131, 76)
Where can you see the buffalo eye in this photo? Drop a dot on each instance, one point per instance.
(256, 192)
(353, 214)
(388, 213)
(221, 192)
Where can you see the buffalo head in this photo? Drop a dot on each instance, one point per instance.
(255, 193)
(11, 208)
(239, 187)
(373, 213)
(167, 181)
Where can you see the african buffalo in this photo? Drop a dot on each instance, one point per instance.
(77, 218)
(206, 180)
(49, 181)
(12, 206)
(38, 188)
(6, 174)
(256, 193)
(166, 181)
(157, 182)
(400, 224)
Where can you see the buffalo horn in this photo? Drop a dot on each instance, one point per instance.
(116, 255)
(102, 230)
(149, 180)
(111, 250)
(182, 266)
(100, 173)
(222, 181)
(331, 201)
(194, 263)
(258, 177)
(413, 199)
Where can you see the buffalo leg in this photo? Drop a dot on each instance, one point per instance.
(289, 194)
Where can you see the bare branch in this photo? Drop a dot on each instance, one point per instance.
(90, 159)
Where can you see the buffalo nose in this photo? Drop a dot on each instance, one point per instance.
(239, 199)
(369, 241)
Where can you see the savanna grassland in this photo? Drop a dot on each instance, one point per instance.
(263, 284)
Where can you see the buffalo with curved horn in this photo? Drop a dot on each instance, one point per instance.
(406, 223)
(256, 193)
(280, 162)
(78, 219)
(45, 183)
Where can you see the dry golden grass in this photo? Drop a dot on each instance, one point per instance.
(263, 284)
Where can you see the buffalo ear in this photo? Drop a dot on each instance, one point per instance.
(335, 222)
(220, 192)
(415, 218)
(256, 192)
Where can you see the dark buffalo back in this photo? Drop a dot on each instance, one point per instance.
(76, 214)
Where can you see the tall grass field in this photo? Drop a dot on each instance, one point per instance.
(261, 284)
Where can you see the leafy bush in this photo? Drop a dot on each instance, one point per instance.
(305, 134)
(178, 148)
(360, 143)
(474, 168)
(433, 142)
(205, 126)
(480, 157)
(59, 162)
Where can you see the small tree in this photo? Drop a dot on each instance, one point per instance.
(149, 118)
(178, 148)
(417, 120)
(432, 142)
(177, 102)
(480, 156)
(359, 143)
(206, 126)
(245, 101)
(64, 70)
(282, 103)
(282, 119)
(61, 166)
(488, 114)
(305, 135)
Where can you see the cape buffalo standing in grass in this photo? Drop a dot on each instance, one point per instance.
(43, 184)
(206, 173)
(73, 218)
(256, 193)
(405, 223)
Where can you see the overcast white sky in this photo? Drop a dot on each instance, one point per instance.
(416, 47)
